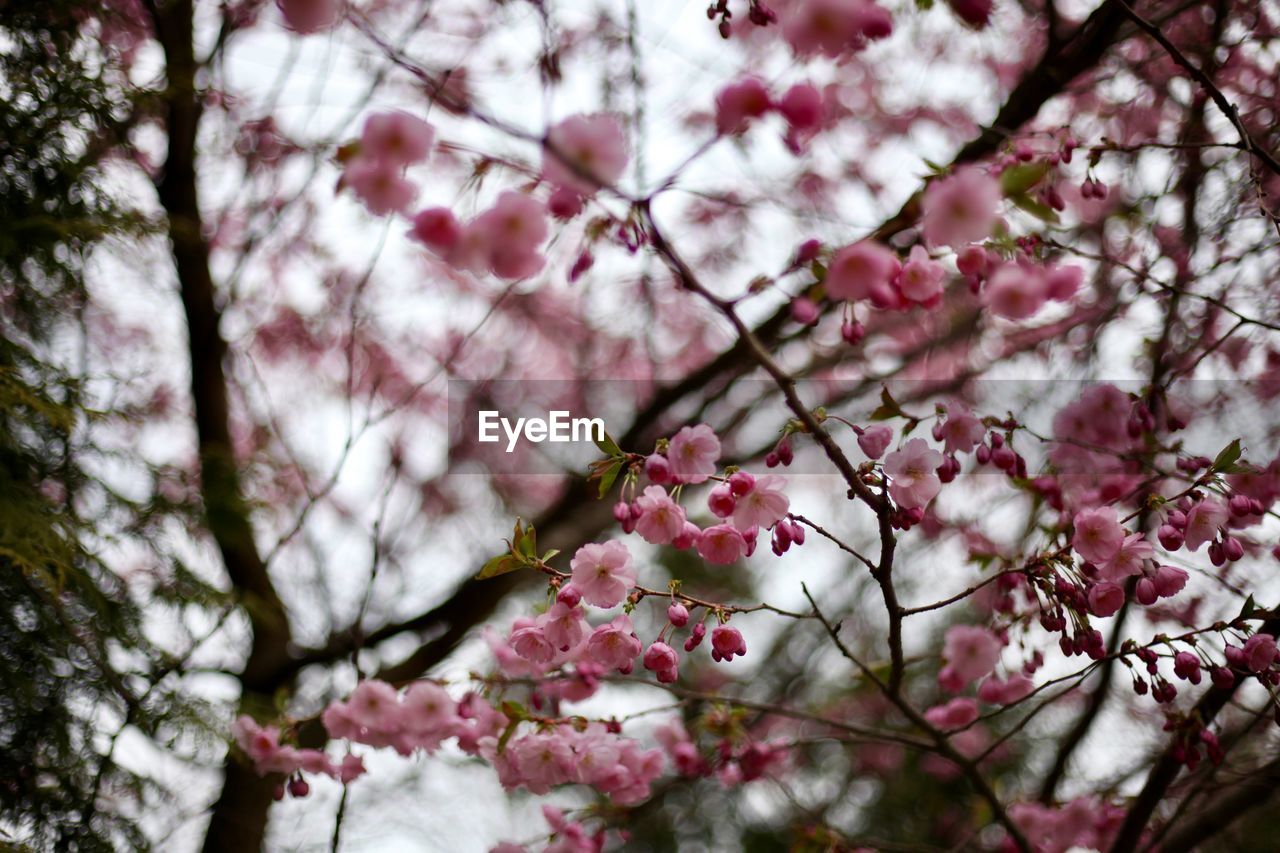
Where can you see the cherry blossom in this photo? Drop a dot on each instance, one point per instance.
(740, 102)
(603, 573)
(763, 505)
(861, 271)
(693, 454)
(585, 152)
(971, 651)
(614, 645)
(661, 519)
(396, 138)
(1098, 535)
(960, 208)
(913, 472)
(722, 544)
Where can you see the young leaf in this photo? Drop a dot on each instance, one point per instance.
(608, 445)
(1225, 461)
(609, 476)
(499, 565)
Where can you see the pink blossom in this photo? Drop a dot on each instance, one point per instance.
(834, 27)
(585, 152)
(260, 743)
(1260, 652)
(913, 470)
(1204, 522)
(875, 440)
(1098, 534)
(688, 537)
(1169, 581)
(375, 705)
(971, 651)
(513, 230)
(544, 760)
(956, 714)
(921, 277)
(396, 138)
(738, 103)
(975, 13)
(437, 229)
(1063, 281)
(861, 271)
(603, 573)
(531, 643)
(993, 691)
(1128, 560)
(663, 660)
(802, 106)
(722, 544)
(351, 768)
(428, 714)
(563, 626)
(1015, 292)
(308, 16)
(380, 185)
(764, 505)
(661, 519)
(960, 208)
(973, 261)
(1105, 599)
(693, 453)
(961, 431)
(614, 645)
(721, 501)
(727, 642)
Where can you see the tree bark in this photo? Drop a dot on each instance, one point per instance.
(239, 817)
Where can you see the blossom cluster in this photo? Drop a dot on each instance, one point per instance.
(803, 106)
(581, 154)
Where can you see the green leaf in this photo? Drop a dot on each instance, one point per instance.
(499, 565)
(888, 408)
(1247, 610)
(528, 543)
(1225, 461)
(609, 476)
(609, 446)
(506, 735)
(1016, 180)
(1037, 209)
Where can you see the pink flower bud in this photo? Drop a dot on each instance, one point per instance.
(1145, 591)
(565, 203)
(662, 659)
(688, 537)
(1169, 581)
(437, 229)
(727, 642)
(678, 615)
(1170, 537)
(875, 440)
(802, 107)
(657, 468)
(741, 482)
(808, 251)
(804, 311)
(852, 332)
(721, 501)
